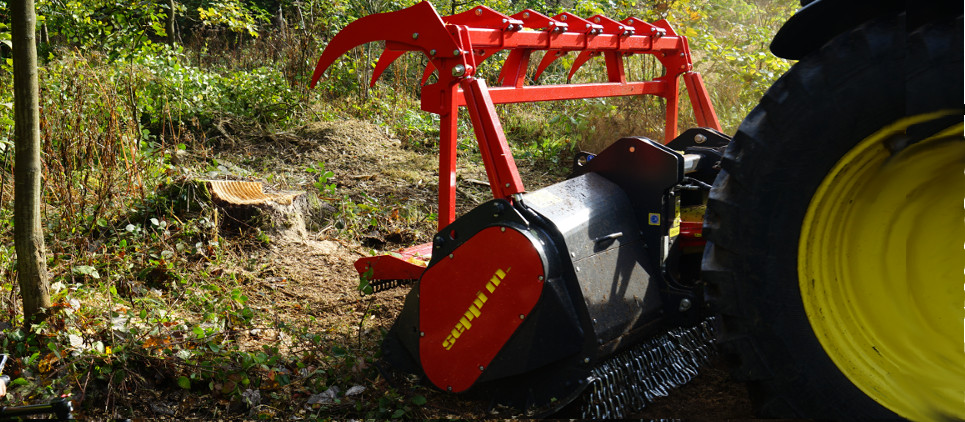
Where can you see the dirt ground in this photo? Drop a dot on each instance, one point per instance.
(306, 274)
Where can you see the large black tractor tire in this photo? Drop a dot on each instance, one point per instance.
(857, 84)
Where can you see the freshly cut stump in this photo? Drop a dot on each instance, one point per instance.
(246, 205)
(234, 192)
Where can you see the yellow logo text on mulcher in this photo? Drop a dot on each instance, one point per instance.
(474, 311)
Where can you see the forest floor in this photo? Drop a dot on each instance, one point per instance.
(302, 276)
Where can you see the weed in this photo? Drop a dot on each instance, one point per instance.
(323, 176)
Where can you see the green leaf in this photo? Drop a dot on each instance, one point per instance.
(86, 270)
(365, 288)
(184, 383)
(19, 381)
(419, 400)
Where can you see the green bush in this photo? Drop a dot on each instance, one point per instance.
(171, 89)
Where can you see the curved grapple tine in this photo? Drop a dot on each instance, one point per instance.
(387, 58)
(511, 67)
(486, 53)
(482, 17)
(611, 26)
(417, 27)
(548, 59)
(427, 72)
(643, 28)
(578, 24)
(665, 25)
(535, 20)
(584, 57)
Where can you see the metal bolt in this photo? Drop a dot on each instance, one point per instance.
(577, 269)
(682, 55)
(586, 360)
(572, 254)
(540, 278)
(594, 321)
(450, 256)
(521, 316)
(700, 138)
(507, 185)
(502, 229)
(563, 18)
(506, 20)
(589, 26)
(482, 368)
(449, 388)
(422, 334)
(596, 19)
(455, 52)
(478, 11)
(458, 70)
(684, 304)
(525, 15)
(432, 52)
(415, 35)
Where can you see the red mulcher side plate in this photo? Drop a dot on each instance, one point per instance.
(473, 301)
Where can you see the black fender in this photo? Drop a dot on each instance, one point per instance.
(821, 20)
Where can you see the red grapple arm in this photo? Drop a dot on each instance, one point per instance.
(417, 28)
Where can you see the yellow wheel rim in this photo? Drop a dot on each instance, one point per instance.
(880, 265)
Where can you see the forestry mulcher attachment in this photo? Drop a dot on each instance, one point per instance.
(535, 297)
(592, 286)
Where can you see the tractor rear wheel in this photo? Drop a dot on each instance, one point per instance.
(835, 230)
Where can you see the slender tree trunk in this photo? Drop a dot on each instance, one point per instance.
(28, 235)
(44, 35)
(172, 36)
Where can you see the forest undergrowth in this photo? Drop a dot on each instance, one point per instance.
(166, 303)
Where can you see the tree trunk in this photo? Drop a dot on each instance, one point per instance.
(28, 235)
(44, 35)
(172, 36)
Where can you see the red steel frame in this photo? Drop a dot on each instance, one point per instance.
(456, 45)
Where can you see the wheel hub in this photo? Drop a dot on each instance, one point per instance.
(879, 268)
